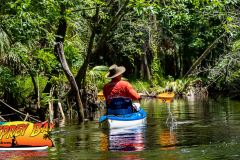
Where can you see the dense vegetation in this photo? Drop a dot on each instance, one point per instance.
(160, 43)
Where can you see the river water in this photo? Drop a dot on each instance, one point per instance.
(186, 128)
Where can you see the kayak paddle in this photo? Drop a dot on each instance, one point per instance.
(101, 96)
(163, 97)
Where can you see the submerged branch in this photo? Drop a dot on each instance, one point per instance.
(18, 111)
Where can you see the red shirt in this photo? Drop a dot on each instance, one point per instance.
(118, 88)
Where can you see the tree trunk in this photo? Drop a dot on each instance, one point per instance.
(142, 68)
(71, 80)
(205, 53)
(169, 63)
(50, 103)
(180, 65)
(36, 89)
(185, 59)
(83, 68)
(50, 107)
(40, 111)
(146, 66)
(61, 110)
(137, 65)
(34, 83)
(161, 54)
(113, 23)
(175, 64)
(61, 32)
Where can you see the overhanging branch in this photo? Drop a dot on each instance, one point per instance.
(83, 9)
(205, 53)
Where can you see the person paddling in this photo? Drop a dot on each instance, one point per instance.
(118, 88)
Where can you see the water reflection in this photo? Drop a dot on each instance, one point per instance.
(190, 127)
(25, 154)
(194, 98)
(125, 139)
(168, 137)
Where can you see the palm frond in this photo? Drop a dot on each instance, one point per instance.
(100, 68)
(4, 42)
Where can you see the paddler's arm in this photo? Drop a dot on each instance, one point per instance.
(131, 93)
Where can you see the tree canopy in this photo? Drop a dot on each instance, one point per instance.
(154, 40)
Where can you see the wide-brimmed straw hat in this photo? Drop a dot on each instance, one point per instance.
(115, 71)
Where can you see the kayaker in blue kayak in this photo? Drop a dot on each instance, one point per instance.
(118, 88)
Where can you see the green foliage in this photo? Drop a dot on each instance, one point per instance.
(7, 80)
(157, 72)
(141, 87)
(26, 85)
(170, 78)
(4, 41)
(46, 61)
(143, 7)
(96, 76)
(18, 85)
(177, 85)
(73, 53)
(28, 32)
(45, 98)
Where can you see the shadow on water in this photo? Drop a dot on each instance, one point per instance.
(195, 127)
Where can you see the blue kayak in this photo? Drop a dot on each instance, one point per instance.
(120, 113)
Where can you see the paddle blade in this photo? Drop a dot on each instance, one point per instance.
(164, 100)
(165, 97)
(101, 96)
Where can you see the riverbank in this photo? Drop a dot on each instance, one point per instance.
(179, 87)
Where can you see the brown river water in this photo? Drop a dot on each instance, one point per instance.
(186, 128)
